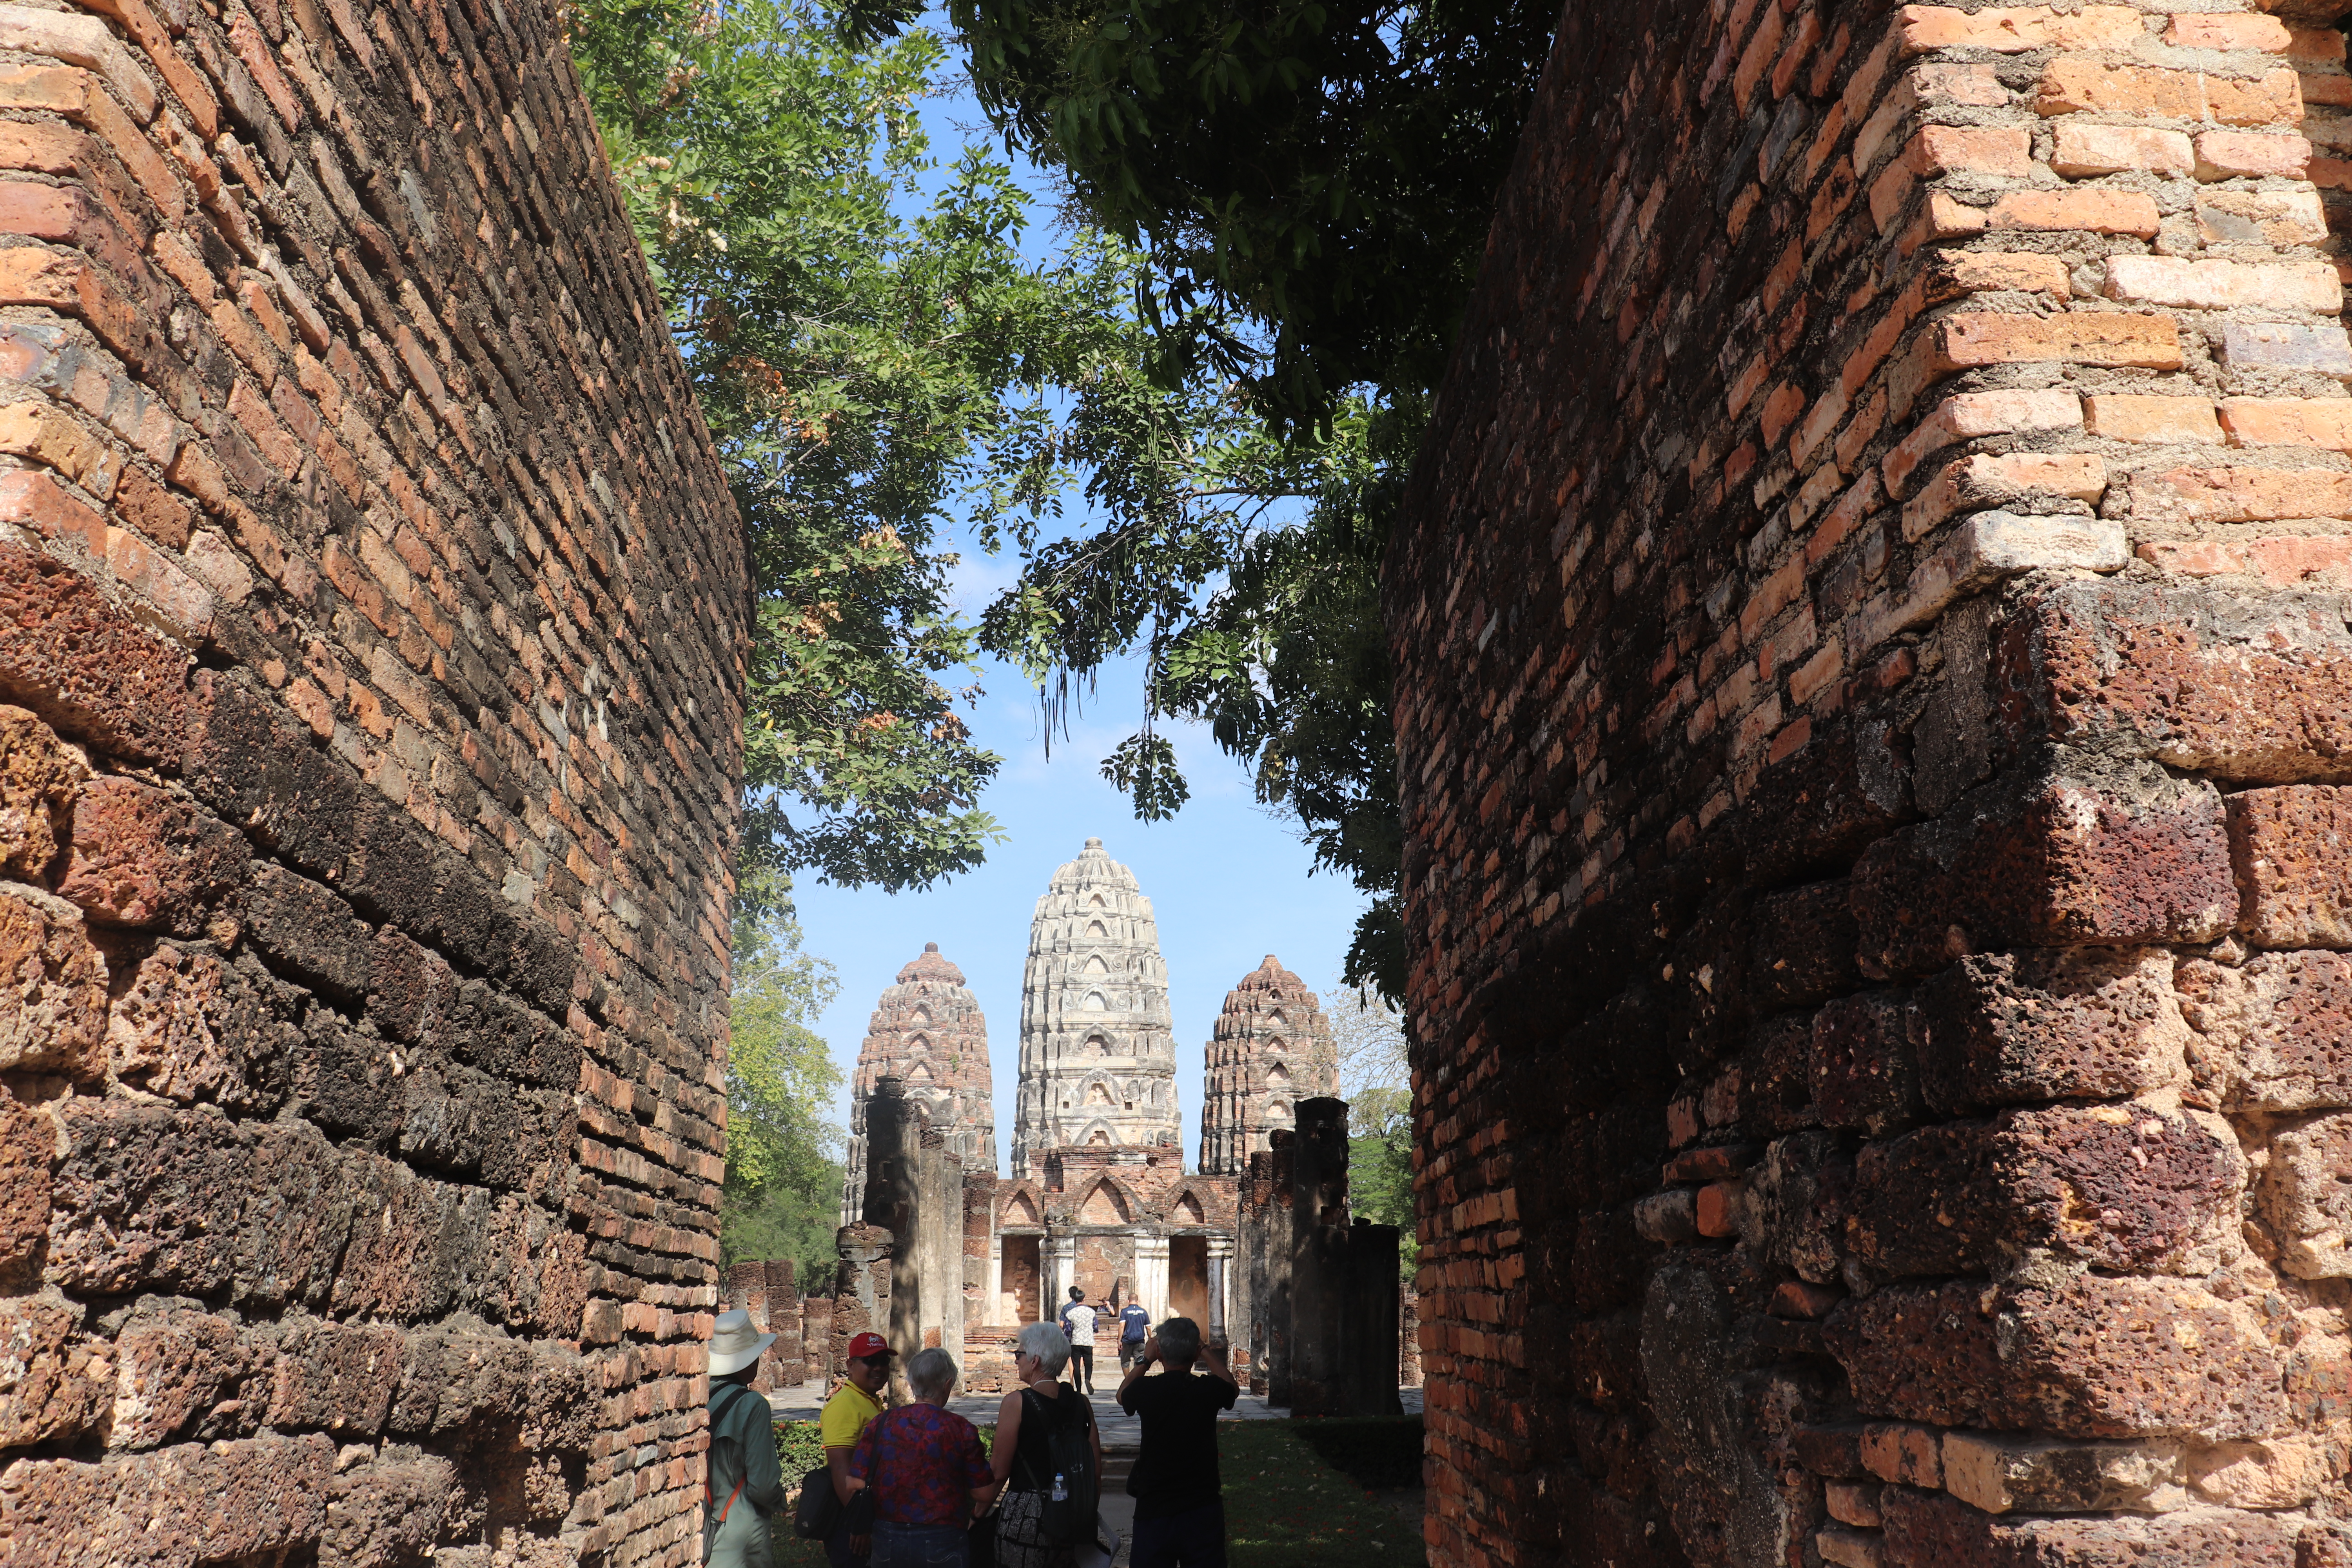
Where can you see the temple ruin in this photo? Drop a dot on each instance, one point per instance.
(1871, 632)
(937, 1249)
(928, 1033)
(1097, 1047)
(1271, 1049)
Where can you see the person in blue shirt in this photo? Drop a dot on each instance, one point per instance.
(1134, 1327)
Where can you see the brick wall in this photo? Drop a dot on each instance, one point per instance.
(371, 622)
(1873, 666)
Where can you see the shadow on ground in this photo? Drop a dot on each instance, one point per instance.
(1299, 1494)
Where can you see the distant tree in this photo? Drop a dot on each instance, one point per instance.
(781, 1194)
(1377, 1082)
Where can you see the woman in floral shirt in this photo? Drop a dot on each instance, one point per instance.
(926, 1471)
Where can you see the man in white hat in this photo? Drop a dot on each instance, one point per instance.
(744, 1484)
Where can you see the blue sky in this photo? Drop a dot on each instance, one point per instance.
(1228, 881)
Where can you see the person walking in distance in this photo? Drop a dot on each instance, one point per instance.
(852, 1408)
(924, 1467)
(1023, 1457)
(1078, 1323)
(744, 1483)
(1180, 1510)
(1134, 1327)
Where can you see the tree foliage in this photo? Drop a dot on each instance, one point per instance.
(782, 1195)
(1312, 186)
(863, 334)
(1245, 566)
(1322, 169)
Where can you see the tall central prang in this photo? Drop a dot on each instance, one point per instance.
(1097, 1044)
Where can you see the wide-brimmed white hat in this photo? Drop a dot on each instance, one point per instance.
(735, 1343)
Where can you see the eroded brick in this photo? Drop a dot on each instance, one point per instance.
(143, 857)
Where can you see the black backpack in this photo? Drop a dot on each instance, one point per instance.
(1070, 1494)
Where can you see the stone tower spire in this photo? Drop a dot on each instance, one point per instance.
(925, 1031)
(1098, 1046)
(1271, 1048)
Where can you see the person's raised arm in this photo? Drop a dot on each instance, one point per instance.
(1214, 1358)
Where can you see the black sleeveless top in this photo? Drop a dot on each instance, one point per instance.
(1032, 1464)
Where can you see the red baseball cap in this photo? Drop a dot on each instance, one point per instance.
(865, 1347)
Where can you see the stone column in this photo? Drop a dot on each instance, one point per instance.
(1151, 1275)
(1057, 1265)
(1318, 1257)
(1274, 1239)
(1370, 1320)
(862, 1289)
(1220, 1272)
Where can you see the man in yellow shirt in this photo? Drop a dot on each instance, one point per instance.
(857, 1402)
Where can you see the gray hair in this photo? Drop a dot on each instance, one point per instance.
(931, 1374)
(1179, 1339)
(1049, 1344)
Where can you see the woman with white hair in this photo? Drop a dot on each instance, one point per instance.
(1024, 1457)
(928, 1477)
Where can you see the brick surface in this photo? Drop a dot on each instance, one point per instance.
(2117, 1187)
(143, 857)
(37, 780)
(2072, 85)
(2084, 151)
(55, 984)
(2013, 1028)
(2129, 416)
(2270, 1032)
(2213, 285)
(1968, 339)
(1923, 1527)
(1905, 510)
(351, 464)
(2297, 890)
(2050, 858)
(2101, 1357)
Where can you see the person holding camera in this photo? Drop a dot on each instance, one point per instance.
(1180, 1510)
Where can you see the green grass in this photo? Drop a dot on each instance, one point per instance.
(1286, 1507)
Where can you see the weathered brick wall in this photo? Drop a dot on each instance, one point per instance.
(1873, 660)
(371, 611)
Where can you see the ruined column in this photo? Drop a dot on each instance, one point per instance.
(817, 1338)
(1057, 1266)
(1221, 1271)
(1151, 1275)
(1280, 1239)
(1372, 1322)
(1318, 1259)
(861, 1299)
(788, 1370)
